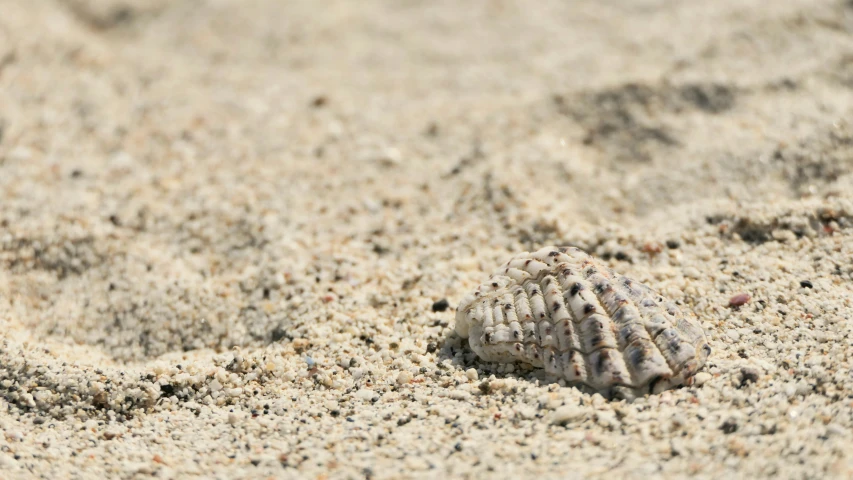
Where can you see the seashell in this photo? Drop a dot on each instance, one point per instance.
(562, 310)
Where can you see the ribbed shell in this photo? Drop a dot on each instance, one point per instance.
(560, 309)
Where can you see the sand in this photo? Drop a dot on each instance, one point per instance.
(233, 234)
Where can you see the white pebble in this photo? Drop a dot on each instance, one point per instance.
(565, 414)
(701, 378)
(404, 378)
(365, 394)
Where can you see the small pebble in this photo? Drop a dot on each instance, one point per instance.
(471, 374)
(440, 305)
(566, 414)
(404, 377)
(748, 375)
(739, 300)
(701, 378)
(365, 394)
(692, 272)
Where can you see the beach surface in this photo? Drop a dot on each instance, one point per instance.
(233, 234)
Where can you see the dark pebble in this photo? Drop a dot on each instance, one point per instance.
(672, 244)
(747, 376)
(440, 305)
(806, 284)
(729, 426)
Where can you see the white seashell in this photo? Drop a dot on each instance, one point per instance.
(560, 309)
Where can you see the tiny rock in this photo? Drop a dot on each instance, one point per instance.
(566, 414)
(739, 300)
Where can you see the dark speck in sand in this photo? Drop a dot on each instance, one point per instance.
(440, 305)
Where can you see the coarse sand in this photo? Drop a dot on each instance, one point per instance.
(233, 234)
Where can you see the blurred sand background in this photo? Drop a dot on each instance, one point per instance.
(226, 228)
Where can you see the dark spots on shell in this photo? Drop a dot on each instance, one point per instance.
(527, 262)
(554, 253)
(566, 272)
(563, 249)
(534, 292)
(600, 287)
(649, 303)
(508, 306)
(638, 356)
(597, 339)
(670, 334)
(577, 287)
(590, 272)
(517, 347)
(588, 308)
(654, 383)
(556, 306)
(494, 284)
(489, 337)
(706, 349)
(542, 315)
(599, 364)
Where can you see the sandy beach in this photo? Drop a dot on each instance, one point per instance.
(233, 235)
